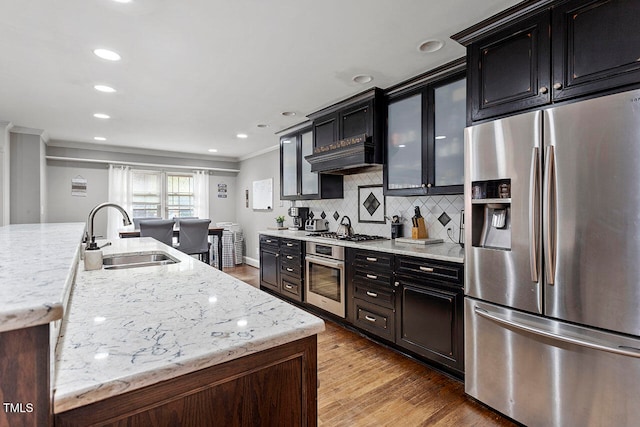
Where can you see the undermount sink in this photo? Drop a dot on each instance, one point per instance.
(146, 259)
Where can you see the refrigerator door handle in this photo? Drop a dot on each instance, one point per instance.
(539, 328)
(534, 214)
(550, 215)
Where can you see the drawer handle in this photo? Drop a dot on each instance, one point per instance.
(268, 241)
(371, 276)
(289, 257)
(370, 318)
(372, 259)
(427, 269)
(288, 286)
(372, 294)
(289, 244)
(289, 269)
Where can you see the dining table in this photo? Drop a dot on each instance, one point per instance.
(129, 231)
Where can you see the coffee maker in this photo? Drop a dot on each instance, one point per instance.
(299, 216)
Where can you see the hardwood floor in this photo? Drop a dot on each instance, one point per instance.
(365, 384)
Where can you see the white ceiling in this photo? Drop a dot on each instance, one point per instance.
(194, 73)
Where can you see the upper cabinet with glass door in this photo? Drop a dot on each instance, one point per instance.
(297, 182)
(425, 139)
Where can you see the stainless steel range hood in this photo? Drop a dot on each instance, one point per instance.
(347, 156)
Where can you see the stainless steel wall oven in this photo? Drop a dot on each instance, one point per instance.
(325, 282)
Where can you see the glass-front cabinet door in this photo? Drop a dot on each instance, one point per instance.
(404, 143)
(425, 139)
(309, 181)
(450, 104)
(289, 164)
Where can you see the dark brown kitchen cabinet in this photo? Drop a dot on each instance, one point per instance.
(510, 70)
(269, 262)
(424, 150)
(429, 307)
(542, 52)
(282, 266)
(297, 182)
(595, 46)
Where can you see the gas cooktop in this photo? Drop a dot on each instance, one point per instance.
(353, 238)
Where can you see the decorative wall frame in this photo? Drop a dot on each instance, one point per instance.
(371, 204)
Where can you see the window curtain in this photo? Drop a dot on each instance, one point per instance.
(120, 193)
(201, 194)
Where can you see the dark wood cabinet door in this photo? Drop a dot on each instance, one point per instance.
(269, 269)
(356, 121)
(596, 46)
(325, 131)
(430, 321)
(510, 70)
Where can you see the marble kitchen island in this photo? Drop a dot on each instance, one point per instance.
(184, 342)
(151, 345)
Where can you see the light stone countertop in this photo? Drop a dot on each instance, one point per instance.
(37, 264)
(129, 328)
(439, 251)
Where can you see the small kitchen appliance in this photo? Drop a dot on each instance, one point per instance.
(316, 224)
(300, 216)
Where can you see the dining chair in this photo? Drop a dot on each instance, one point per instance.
(159, 229)
(193, 238)
(136, 221)
(177, 219)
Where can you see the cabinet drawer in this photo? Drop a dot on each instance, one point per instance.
(425, 268)
(291, 244)
(291, 259)
(374, 294)
(291, 288)
(378, 320)
(290, 269)
(372, 277)
(373, 260)
(269, 241)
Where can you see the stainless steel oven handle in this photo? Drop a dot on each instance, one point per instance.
(324, 261)
(540, 330)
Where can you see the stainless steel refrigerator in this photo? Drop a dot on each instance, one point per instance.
(552, 263)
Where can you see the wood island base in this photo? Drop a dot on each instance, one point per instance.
(275, 387)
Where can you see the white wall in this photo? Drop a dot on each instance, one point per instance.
(253, 221)
(5, 157)
(25, 178)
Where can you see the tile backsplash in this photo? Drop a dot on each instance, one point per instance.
(431, 207)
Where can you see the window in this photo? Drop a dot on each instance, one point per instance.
(162, 194)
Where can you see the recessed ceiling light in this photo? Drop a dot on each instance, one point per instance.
(103, 88)
(101, 116)
(362, 78)
(440, 137)
(242, 135)
(431, 45)
(99, 138)
(212, 150)
(288, 113)
(262, 125)
(107, 54)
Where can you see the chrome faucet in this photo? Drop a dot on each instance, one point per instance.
(90, 236)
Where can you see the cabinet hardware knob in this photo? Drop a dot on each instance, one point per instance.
(371, 276)
(289, 269)
(370, 318)
(396, 284)
(428, 185)
(289, 244)
(268, 241)
(372, 259)
(427, 269)
(372, 294)
(557, 86)
(543, 90)
(289, 257)
(423, 185)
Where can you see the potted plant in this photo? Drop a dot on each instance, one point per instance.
(280, 220)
